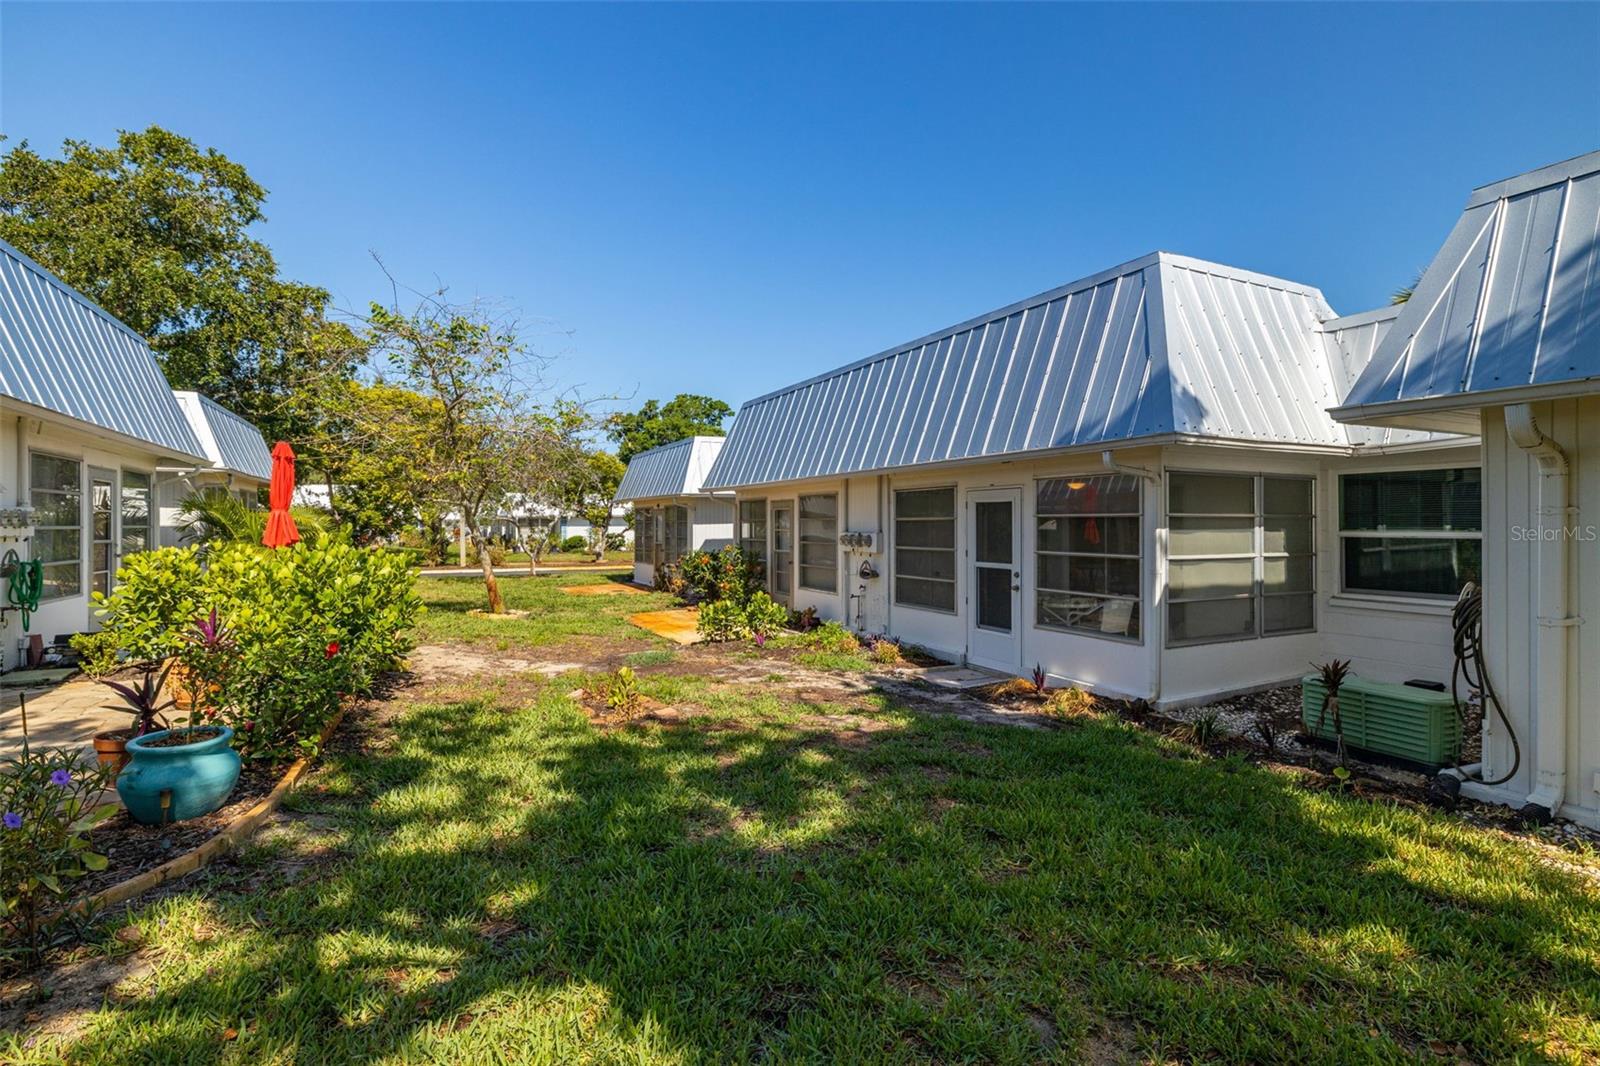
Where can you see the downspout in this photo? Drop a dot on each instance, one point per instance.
(1108, 459)
(1554, 560)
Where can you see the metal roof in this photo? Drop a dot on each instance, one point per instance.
(676, 469)
(231, 443)
(61, 353)
(1354, 338)
(1510, 305)
(1163, 346)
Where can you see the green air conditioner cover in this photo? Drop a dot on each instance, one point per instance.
(1397, 720)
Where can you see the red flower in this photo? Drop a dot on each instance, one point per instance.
(333, 648)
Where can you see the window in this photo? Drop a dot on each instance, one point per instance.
(644, 537)
(676, 519)
(1411, 532)
(819, 543)
(1088, 555)
(753, 533)
(1241, 557)
(55, 489)
(137, 530)
(925, 548)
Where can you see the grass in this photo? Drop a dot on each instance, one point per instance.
(497, 880)
(553, 616)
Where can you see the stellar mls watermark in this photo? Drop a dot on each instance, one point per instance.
(1578, 534)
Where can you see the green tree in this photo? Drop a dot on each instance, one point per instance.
(376, 491)
(158, 231)
(685, 415)
(591, 487)
(475, 430)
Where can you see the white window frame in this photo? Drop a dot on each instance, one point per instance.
(34, 492)
(1345, 536)
(1032, 508)
(755, 547)
(954, 549)
(800, 565)
(1258, 556)
(152, 525)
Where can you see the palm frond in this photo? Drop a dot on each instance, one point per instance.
(208, 517)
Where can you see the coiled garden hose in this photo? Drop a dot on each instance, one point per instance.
(24, 584)
(1466, 620)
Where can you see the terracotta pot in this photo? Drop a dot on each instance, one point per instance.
(111, 748)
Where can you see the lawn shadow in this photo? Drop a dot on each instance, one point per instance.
(867, 886)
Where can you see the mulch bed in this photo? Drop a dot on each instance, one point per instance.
(133, 848)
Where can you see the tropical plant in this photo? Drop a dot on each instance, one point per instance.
(885, 651)
(1041, 680)
(146, 699)
(220, 517)
(98, 652)
(804, 621)
(47, 807)
(833, 637)
(725, 574)
(305, 626)
(621, 691)
(1203, 729)
(764, 615)
(1333, 674)
(722, 620)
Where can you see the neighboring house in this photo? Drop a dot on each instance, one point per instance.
(1502, 338)
(1130, 480)
(88, 429)
(240, 463)
(672, 514)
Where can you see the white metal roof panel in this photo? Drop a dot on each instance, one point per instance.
(676, 469)
(1162, 345)
(61, 353)
(231, 443)
(1511, 302)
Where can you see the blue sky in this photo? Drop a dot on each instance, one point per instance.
(724, 199)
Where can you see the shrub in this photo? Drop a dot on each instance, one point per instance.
(306, 625)
(46, 811)
(764, 615)
(1070, 703)
(722, 620)
(574, 544)
(885, 651)
(616, 542)
(98, 653)
(725, 574)
(805, 621)
(157, 595)
(621, 691)
(831, 636)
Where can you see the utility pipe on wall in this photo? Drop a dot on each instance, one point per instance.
(1549, 709)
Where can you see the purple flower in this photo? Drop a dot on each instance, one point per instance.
(12, 820)
(61, 778)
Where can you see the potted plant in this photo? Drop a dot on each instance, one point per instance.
(186, 772)
(145, 699)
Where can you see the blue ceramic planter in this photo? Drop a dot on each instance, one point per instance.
(196, 777)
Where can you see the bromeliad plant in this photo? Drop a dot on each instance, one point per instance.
(146, 699)
(1333, 675)
(47, 807)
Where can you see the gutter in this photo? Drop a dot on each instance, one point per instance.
(1549, 708)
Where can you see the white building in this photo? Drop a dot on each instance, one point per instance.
(672, 514)
(90, 435)
(1502, 339)
(239, 462)
(1130, 480)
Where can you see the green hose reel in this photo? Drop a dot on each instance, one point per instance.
(24, 584)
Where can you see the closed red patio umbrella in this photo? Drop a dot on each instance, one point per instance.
(280, 526)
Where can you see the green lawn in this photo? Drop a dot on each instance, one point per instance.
(497, 880)
(553, 616)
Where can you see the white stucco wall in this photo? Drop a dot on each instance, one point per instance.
(1388, 638)
(1511, 612)
(19, 437)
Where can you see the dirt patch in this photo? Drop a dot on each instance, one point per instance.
(58, 1002)
(452, 662)
(610, 588)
